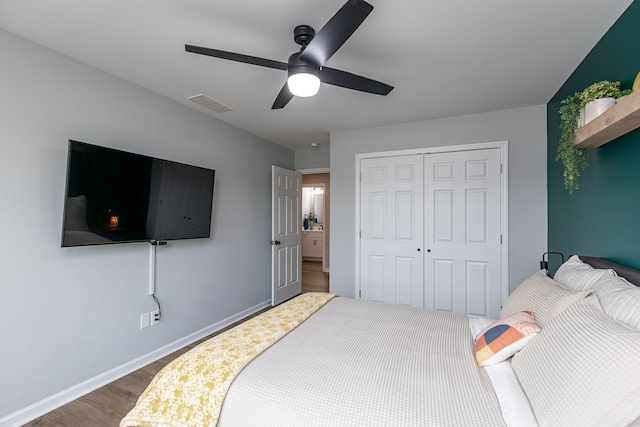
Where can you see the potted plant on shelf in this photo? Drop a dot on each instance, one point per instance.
(576, 111)
(623, 94)
(598, 98)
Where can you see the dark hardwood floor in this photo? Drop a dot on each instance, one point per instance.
(313, 279)
(106, 406)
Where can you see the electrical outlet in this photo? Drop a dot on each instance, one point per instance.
(155, 317)
(144, 321)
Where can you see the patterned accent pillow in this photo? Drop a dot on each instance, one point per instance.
(579, 275)
(503, 338)
(542, 295)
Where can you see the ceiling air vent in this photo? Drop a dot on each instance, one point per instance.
(209, 103)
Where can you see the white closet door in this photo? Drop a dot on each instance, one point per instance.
(391, 261)
(462, 236)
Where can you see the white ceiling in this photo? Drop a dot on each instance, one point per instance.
(444, 57)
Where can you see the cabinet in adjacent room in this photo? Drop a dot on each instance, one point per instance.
(312, 246)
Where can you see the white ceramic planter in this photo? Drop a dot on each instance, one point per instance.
(594, 108)
(581, 118)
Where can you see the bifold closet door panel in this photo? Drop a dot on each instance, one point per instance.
(391, 221)
(462, 209)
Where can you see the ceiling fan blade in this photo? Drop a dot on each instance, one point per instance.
(283, 98)
(336, 32)
(232, 56)
(352, 81)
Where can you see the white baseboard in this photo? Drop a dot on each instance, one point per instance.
(63, 397)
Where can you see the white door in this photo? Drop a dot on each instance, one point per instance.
(391, 261)
(462, 235)
(286, 235)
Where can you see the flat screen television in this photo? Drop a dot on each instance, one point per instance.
(113, 196)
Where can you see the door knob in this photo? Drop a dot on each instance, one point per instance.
(275, 242)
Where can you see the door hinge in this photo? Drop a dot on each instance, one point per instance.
(360, 293)
(361, 234)
(360, 176)
(501, 239)
(500, 168)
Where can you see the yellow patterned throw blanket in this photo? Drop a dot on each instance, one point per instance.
(189, 391)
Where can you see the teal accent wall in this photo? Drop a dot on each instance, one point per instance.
(601, 218)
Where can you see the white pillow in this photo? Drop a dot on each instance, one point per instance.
(578, 275)
(620, 299)
(541, 295)
(478, 323)
(582, 369)
(514, 404)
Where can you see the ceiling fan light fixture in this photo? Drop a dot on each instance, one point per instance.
(305, 67)
(303, 81)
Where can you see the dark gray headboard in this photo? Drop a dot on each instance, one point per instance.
(630, 274)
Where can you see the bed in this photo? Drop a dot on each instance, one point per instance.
(565, 352)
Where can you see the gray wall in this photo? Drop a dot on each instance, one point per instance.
(524, 128)
(312, 159)
(68, 314)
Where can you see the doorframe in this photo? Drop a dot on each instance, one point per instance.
(503, 146)
(311, 171)
(324, 216)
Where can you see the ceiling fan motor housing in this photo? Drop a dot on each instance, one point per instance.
(296, 65)
(303, 34)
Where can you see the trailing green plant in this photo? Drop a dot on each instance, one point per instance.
(625, 92)
(603, 89)
(573, 159)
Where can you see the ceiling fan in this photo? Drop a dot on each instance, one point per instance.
(306, 68)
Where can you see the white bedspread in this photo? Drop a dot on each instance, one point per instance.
(356, 363)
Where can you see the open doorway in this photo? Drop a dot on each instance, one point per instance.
(316, 235)
(317, 203)
(313, 222)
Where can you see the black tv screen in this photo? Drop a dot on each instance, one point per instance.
(113, 196)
